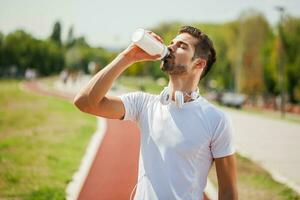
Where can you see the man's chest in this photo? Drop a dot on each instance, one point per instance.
(185, 134)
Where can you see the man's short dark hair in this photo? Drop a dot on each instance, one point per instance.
(203, 48)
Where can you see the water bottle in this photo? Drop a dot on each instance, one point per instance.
(149, 43)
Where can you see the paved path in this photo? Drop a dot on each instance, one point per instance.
(273, 143)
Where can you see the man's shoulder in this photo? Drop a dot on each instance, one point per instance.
(143, 94)
(216, 117)
(139, 95)
(212, 111)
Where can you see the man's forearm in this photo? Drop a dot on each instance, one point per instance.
(99, 85)
(227, 177)
(230, 194)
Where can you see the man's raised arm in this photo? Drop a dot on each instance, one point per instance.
(92, 98)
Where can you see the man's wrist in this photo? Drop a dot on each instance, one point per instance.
(126, 58)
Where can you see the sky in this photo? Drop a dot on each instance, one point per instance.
(110, 23)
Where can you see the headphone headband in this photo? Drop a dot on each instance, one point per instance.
(166, 96)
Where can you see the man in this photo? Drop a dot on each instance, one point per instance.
(178, 143)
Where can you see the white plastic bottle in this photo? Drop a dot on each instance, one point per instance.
(148, 43)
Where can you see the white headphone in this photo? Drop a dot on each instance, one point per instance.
(166, 96)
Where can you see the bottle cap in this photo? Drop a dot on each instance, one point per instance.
(138, 35)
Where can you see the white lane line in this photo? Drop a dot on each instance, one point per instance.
(74, 187)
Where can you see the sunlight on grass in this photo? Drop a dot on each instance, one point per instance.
(42, 141)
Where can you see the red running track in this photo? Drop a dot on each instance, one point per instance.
(114, 171)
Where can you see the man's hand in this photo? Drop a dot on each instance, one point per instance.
(227, 175)
(136, 54)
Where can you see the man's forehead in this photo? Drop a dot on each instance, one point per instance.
(185, 37)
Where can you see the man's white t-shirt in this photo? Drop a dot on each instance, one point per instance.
(177, 145)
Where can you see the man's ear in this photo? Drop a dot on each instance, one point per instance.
(200, 63)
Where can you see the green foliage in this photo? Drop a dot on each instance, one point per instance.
(24, 51)
(1, 50)
(70, 40)
(56, 33)
(253, 35)
(291, 39)
(79, 56)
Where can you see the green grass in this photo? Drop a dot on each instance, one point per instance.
(255, 183)
(42, 141)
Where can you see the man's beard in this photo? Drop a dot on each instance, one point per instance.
(168, 65)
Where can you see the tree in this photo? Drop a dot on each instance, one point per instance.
(70, 38)
(49, 58)
(81, 54)
(221, 76)
(271, 74)
(17, 50)
(56, 33)
(291, 40)
(253, 34)
(1, 51)
(23, 51)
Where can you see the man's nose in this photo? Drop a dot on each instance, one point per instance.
(172, 47)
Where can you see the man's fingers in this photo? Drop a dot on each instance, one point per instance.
(150, 57)
(157, 57)
(156, 36)
(159, 38)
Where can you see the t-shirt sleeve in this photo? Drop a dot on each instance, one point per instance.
(223, 142)
(134, 103)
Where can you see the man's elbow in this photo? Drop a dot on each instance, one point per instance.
(81, 102)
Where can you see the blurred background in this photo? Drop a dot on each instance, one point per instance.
(50, 49)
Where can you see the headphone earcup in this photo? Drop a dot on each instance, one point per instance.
(179, 99)
(165, 96)
(194, 95)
